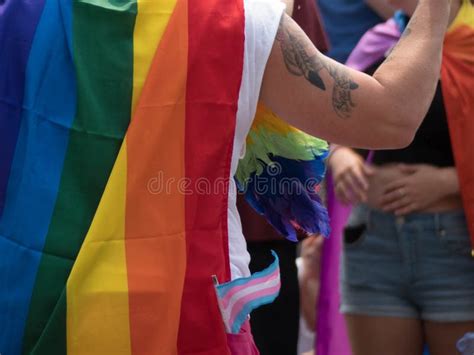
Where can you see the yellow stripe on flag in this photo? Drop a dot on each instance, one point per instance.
(97, 290)
(152, 19)
(465, 16)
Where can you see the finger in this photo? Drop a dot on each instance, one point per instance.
(354, 181)
(342, 176)
(354, 191)
(397, 205)
(410, 208)
(360, 178)
(394, 195)
(395, 185)
(348, 184)
(347, 177)
(358, 194)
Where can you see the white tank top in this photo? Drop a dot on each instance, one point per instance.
(262, 18)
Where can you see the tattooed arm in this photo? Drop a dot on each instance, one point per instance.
(327, 99)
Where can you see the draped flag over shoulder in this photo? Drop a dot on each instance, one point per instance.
(457, 80)
(240, 297)
(101, 103)
(93, 259)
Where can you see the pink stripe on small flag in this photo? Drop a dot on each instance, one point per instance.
(239, 297)
(225, 300)
(238, 306)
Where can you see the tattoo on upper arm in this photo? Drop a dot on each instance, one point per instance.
(300, 63)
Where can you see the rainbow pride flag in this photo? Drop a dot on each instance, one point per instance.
(92, 261)
(457, 80)
(99, 100)
(240, 297)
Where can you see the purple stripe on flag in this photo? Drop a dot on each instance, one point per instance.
(18, 21)
(332, 336)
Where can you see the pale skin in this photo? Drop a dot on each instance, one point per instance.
(344, 106)
(311, 249)
(397, 188)
(400, 189)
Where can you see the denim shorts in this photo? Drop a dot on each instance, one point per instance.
(418, 266)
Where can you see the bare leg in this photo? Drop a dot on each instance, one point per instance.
(442, 337)
(385, 335)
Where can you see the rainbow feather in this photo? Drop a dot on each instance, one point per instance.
(280, 175)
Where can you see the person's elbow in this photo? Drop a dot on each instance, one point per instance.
(400, 137)
(400, 129)
(381, 135)
(399, 124)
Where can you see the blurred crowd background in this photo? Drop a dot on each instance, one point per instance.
(306, 318)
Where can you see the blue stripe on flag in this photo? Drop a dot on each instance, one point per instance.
(49, 109)
(248, 308)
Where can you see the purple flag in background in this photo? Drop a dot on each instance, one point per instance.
(331, 338)
(375, 44)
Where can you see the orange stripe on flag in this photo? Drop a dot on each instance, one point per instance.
(155, 227)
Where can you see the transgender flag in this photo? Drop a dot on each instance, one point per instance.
(240, 297)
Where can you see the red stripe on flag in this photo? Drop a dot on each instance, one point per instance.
(457, 79)
(215, 65)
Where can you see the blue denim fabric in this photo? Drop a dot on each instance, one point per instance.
(417, 266)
